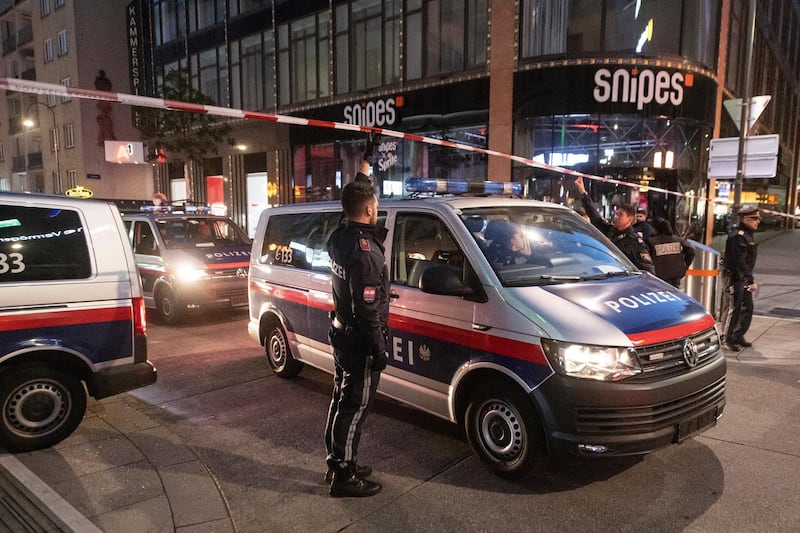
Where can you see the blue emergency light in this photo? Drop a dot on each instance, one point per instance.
(424, 185)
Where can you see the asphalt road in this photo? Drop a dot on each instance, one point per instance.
(260, 438)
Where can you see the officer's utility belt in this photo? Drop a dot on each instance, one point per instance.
(340, 326)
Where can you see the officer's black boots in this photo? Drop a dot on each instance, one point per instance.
(361, 471)
(347, 483)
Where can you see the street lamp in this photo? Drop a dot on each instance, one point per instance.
(29, 123)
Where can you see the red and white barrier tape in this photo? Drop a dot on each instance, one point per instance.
(37, 87)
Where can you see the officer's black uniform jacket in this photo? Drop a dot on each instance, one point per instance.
(628, 241)
(741, 251)
(671, 256)
(360, 282)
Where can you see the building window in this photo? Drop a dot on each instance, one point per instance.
(45, 4)
(169, 19)
(62, 42)
(444, 36)
(252, 72)
(59, 3)
(51, 100)
(205, 13)
(2, 152)
(48, 50)
(53, 139)
(307, 58)
(69, 136)
(66, 82)
(72, 177)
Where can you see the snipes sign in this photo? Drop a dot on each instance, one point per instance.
(640, 87)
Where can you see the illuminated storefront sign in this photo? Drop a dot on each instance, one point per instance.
(374, 113)
(640, 87)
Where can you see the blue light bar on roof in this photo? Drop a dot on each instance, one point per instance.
(423, 185)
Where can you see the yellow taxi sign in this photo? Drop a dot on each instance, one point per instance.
(79, 192)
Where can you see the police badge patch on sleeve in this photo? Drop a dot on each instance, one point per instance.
(364, 244)
(369, 294)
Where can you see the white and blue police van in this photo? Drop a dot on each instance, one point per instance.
(72, 316)
(188, 259)
(559, 347)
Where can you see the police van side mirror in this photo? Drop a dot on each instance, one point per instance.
(443, 280)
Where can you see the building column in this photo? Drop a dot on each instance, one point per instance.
(502, 54)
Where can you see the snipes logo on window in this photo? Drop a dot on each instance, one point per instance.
(640, 87)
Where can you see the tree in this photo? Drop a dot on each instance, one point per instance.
(180, 134)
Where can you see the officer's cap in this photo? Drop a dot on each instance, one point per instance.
(747, 211)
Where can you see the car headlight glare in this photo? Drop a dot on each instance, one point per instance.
(603, 363)
(190, 274)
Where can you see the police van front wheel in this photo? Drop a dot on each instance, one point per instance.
(279, 354)
(504, 430)
(168, 308)
(41, 407)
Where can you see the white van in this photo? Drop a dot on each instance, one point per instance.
(71, 313)
(563, 347)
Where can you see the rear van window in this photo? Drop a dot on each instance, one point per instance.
(42, 244)
(299, 240)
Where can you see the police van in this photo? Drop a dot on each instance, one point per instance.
(71, 314)
(559, 345)
(188, 259)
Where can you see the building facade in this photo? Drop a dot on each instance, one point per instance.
(53, 144)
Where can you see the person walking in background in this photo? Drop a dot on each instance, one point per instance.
(360, 284)
(620, 231)
(672, 255)
(741, 252)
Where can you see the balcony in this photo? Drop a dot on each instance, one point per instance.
(18, 163)
(29, 74)
(25, 35)
(9, 44)
(35, 160)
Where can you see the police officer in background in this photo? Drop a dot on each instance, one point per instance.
(620, 231)
(671, 254)
(741, 251)
(360, 284)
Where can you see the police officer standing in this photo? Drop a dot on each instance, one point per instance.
(358, 333)
(672, 255)
(741, 251)
(621, 231)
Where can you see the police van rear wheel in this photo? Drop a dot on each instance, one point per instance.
(503, 430)
(169, 310)
(279, 355)
(41, 406)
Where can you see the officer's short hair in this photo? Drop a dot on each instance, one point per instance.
(628, 209)
(355, 196)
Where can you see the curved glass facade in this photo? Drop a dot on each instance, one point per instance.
(645, 27)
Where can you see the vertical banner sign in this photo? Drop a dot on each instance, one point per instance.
(139, 66)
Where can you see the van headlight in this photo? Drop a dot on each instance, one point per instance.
(190, 274)
(603, 363)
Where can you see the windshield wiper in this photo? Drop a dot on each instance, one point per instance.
(606, 275)
(544, 279)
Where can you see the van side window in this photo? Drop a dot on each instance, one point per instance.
(143, 240)
(421, 241)
(299, 240)
(42, 244)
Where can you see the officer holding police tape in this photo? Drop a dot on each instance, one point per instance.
(741, 251)
(360, 284)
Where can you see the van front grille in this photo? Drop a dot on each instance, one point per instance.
(666, 359)
(644, 419)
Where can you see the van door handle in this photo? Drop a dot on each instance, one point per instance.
(481, 327)
(393, 295)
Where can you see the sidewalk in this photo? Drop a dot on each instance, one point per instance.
(776, 321)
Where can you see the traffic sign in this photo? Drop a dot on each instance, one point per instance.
(757, 105)
(760, 157)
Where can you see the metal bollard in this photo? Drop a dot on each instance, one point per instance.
(701, 278)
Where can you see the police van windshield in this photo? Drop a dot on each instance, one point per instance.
(201, 232)
(540, 246)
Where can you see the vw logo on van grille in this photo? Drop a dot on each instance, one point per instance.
(690, 354)
(241, 273)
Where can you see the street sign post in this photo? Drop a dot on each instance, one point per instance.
(760, 157)
(757, 105)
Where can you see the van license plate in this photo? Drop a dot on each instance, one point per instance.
(695, 425)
